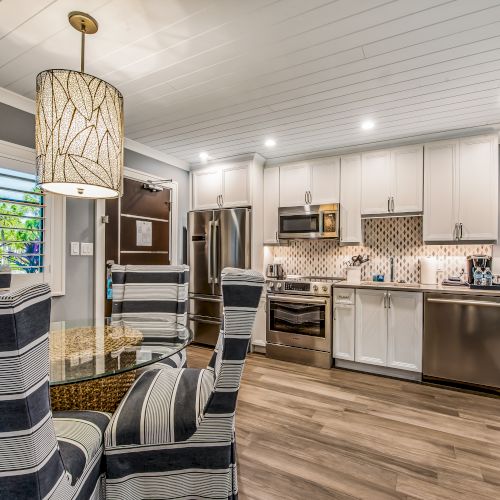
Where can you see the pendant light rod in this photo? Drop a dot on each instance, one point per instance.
(86, 25)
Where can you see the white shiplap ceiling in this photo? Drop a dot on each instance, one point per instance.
(222, 76)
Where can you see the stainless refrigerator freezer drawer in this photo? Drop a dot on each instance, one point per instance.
(205, 330)
(462, 338)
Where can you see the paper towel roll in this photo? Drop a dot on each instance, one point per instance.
(428, 270)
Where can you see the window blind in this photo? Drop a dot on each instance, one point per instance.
(22, 222)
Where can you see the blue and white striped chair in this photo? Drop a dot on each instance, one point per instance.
(152, 298)
(173, 434)
(41, 456)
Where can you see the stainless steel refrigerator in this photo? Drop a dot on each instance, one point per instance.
(216, 239)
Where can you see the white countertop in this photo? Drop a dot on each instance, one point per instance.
(416, 287)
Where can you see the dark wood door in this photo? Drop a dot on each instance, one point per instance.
(138, 231)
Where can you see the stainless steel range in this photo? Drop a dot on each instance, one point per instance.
(299, 320)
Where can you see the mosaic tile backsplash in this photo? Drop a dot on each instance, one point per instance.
(398, 237)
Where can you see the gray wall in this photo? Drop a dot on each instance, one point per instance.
(18, 127)
(78, 302)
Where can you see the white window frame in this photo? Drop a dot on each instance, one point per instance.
(100, 236)
(22, 159)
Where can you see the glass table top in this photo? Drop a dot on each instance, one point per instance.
(82, 350)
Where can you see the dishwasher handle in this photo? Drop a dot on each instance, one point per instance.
(465, 302)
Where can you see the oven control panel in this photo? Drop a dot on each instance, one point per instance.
(299, 287)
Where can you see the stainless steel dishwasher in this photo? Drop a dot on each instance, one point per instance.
(462, 339)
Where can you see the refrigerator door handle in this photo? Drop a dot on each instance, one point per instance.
(215, 270)
(210, 257)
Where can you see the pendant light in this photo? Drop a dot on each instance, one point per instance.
(78, 128)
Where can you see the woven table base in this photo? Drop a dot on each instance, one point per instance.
(103, 394)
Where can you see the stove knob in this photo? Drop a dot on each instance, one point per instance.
(325, 288)
(278, 285)
(315, 288)
(270, 286)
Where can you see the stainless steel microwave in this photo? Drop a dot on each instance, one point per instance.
(309, 222)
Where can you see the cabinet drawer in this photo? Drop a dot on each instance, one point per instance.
(344, 295)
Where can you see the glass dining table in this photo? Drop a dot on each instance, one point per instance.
(92, 364)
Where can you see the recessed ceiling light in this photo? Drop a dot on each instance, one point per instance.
(204, 156)
(270, 143)
(367, 124)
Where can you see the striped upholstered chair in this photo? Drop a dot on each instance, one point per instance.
(151, 298)
(41, 456)
(173, 434)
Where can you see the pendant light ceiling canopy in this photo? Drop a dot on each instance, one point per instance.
(78, 129)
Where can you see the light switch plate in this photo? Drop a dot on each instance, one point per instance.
(75, 248)
(87, 248)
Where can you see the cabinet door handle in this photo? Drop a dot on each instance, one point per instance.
(385, 300)
(461, 230)
(392, 203)
(388, 203)
(389, 300)
(276, 236)
(305, 197)
(310, 198)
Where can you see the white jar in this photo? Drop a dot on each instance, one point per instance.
(354, 275)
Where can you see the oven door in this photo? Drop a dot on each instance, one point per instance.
(299, 321)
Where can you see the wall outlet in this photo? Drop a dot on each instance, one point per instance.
(87, 248)
(75, 248)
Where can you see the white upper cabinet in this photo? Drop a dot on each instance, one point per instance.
(392, 181)
(221, 186)
(295, 182)
(461, 190)
(371, 327)
(478, 188)
(313, 182)
(404, 330)
(207, 188)
(408, 180)
(235, 186)
(439, 210)
(350, 199)
(271, 204)
(325, 181)
(376, 180)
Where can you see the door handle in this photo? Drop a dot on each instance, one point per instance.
(385, 300)
(209, 245)
(215, 275)
(388, 203)
(460, 302)
(310, 197)
(455, 231)
(388, 300)
(276, 236)
(305, 197)
(461, 230)
(392, 203)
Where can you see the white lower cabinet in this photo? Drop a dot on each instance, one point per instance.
(344, 323)
(371, 327)
(404, 330)
(389, 329)
(259, 326)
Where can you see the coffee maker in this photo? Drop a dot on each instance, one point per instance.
(475, 261)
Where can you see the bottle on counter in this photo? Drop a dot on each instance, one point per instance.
(478, 276)
(487, 277)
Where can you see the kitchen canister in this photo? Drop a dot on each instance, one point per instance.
(428, 270)
(354, 275)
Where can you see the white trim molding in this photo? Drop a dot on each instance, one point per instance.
(22, 159)
(26, 104)
(100, 236)
(17, 101)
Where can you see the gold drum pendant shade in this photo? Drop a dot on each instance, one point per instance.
(78, 135)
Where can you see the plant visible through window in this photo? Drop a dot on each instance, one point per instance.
(21, 222)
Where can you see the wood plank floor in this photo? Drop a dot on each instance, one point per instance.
(308, 433)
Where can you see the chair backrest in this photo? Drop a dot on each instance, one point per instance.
(241, 292)
(150, 293)
(30, 462)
